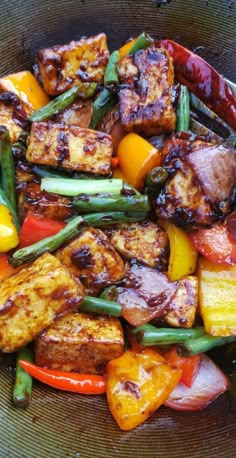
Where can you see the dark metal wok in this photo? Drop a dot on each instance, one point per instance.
(59, 425)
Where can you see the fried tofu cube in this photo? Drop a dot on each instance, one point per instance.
(13, 114)
(92, 260)
(64, 66)
(146, 242)
(181, 311)
(32, 199)
(80, 342)
(145, 96)
(70, 147)
(33, 298)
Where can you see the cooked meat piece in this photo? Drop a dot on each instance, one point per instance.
(31, 299)
(13, 114)
(202, 183)
(64, 66)
(80, 342)
(70, 147)
(146, 242)
(145, 294)
(77, 114)
(182, 308)
(32, 199)
(92, 260)
(146, 92)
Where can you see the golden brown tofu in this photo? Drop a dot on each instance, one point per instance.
(77, 114)
(64, 66)
(80, 342)
(32, 199)
(92, 260)
(70, 147)
(12, 114)
(146, 242)
(31, 299)
(182, 308)
(145, 96)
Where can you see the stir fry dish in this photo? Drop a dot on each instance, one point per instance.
(118, 225)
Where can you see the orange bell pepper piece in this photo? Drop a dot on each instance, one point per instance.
(137, 384)
(136, 158)
(124, 50)
(25, 85)
(217, 297)
(183, 254)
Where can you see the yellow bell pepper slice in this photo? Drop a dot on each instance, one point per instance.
(26, 87)
(183, 255)
(217, 297)
(137, 384)
(136, 158)
(8, 234)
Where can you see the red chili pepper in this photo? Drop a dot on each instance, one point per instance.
(36, 228)
(67, 381)
(114, 162)
(203, 80)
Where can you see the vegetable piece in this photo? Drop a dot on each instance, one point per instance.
(215, 244)
(5, 201)
(8, 167)
(156, 178)
(182, 309)
(102, 104)
(36, 228)
(73, 228)
(137, 384)
(203, 344)
(183, 254)
(150, 335)
(203, 80)
(183, 110)
(6, 269)
(8, 234)
(143, 156)
(217, 298)
(189, 365)
(25, 85)
(23, 382)
(73, 187)
(96, 305)
(86, 203)
(114, 162)
(66, 381)
(124, 50)
(111, 79)
(209, 383)
(62, 101)
(142, 42)
(117, 173)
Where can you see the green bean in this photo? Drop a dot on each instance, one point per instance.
(102, 104)
(97, 305)
(23, 381)
(156, 178)
(183, 110)
(86, 203)
(111, 79)
(150, 335)
(203, 344)
(143, 41)
(8, 167)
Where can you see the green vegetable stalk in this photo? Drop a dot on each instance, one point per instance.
(8, 167)
(86, 203)
(183, 110)
(23, 381)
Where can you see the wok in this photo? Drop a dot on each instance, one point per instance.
(65, 425)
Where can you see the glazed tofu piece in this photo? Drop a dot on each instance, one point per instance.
(80, 342)
(12, 114)
(33, 298)
(146, 242)
(181, 311)
(146, 96)
(70, 147)
(32, 199)
(62, 67)
(92, 260)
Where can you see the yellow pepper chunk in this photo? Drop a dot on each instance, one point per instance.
(25, 85)
(137, 384)
(124, 50)
(217, 297)
(183, 255)
(136, 158)
(8, 233)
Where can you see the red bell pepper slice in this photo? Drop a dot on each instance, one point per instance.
(215, 244)
(6, 269)
(36, 228)
(203, 80)
(66, 381)
(189, 365)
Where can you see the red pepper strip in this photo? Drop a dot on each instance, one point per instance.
(36, 228)
(114, 162)
(67, 381)
(203, 80)
(189, 365)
